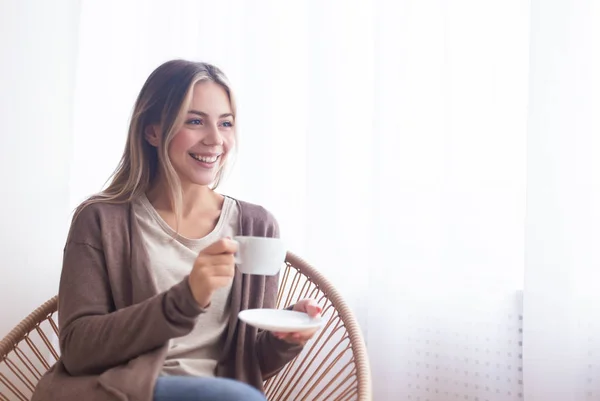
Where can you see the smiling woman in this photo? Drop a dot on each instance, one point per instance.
(161, 141)
(149, 295)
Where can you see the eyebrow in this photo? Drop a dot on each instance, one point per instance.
(203, 114)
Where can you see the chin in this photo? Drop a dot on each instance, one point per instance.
(198, 177)
(202, 181)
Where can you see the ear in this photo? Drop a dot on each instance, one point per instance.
(151, 135)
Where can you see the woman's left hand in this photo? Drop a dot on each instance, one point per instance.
(313, 309)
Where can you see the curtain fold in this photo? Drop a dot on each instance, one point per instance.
(562, 268)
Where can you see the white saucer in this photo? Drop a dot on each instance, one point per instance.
(278, 320)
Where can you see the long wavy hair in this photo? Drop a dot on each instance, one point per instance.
(163, 102)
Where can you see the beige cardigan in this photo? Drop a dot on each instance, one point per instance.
(115, 326)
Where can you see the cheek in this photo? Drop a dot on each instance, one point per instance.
(229, 141)
(181, 143)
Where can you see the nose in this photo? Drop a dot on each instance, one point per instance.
(213, 137)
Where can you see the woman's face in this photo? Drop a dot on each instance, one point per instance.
(200, 147)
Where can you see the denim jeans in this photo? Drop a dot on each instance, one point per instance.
(187, 388)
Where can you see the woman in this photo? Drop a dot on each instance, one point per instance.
(149, 293)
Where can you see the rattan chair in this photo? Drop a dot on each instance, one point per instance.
(333, 365)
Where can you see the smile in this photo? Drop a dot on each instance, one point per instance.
(205, 159)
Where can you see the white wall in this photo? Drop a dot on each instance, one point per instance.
(38, 45)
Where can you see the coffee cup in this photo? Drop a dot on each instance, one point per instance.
(260, 255)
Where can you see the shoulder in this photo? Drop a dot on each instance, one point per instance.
(95, 219)
(256, 220)
(256, 212)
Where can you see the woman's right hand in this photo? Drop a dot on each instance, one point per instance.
(214, 268)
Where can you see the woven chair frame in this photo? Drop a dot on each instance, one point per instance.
(333, 366)
(27, 352)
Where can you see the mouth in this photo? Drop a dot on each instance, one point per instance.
(205, 159)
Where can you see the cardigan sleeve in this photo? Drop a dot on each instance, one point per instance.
(93, 335)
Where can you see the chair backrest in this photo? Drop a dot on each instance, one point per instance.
(27, 352)
(333, 366)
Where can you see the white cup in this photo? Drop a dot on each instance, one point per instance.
(260, 255)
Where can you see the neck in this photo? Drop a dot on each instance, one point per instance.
(195, 198)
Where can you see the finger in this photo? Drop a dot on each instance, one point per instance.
(222, 271)
(213, 271)
(306, 334)
(222, 246)
(313, 309)
(223, 259)
(300, 306)
(296, 336)
(291, 339)
(285, 337)
(215, 260)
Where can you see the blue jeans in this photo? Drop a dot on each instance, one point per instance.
(188, 388)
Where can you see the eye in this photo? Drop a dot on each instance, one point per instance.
(195, 121)
(227, 124)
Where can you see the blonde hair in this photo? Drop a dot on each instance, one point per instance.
(163, 101)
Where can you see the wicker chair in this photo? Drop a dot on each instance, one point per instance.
(333, 366)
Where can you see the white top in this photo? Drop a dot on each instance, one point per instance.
(171, 259)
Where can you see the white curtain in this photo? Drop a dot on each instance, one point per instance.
(562, 268)
(390, 140)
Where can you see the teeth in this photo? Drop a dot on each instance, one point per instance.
(205, 159)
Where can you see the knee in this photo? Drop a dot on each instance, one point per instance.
(233, 390)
